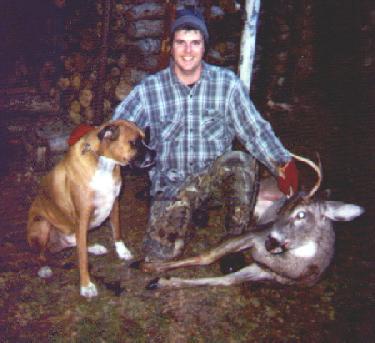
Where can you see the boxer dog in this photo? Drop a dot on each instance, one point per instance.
(81, 191)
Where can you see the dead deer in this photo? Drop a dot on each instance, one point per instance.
(292, 243)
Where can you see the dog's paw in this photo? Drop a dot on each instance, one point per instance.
(45, 272)
(122, 251)
(89, 291)
(97, 249)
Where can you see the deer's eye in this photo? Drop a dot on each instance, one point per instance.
(300, 215)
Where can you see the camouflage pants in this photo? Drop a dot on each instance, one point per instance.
(233, 179)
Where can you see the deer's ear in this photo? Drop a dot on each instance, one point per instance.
(339, 211)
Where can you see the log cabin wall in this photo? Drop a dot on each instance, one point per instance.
(51, 50)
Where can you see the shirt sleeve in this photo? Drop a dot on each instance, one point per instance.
(255, 132)
(132, 108)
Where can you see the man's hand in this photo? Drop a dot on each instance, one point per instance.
(78, 132)
(287, 180)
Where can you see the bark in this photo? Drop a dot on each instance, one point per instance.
(247, 49)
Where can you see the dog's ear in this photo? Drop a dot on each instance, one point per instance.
(111, 132)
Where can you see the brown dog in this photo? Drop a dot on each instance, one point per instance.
(82, 190)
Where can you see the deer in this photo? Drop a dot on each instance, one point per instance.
(291, 243)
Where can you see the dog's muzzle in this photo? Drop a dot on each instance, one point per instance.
(145, 157)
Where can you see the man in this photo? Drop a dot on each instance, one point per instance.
(194, 111)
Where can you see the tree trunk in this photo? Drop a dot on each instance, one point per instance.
(247, 49)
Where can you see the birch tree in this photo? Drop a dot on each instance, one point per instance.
(247, 47)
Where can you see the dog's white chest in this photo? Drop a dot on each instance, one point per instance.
(105, 188)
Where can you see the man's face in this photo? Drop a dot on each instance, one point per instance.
(187, 52)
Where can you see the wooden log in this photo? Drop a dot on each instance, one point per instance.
(63, 83)
(148, 46)
(146, 11)
(33, 103)
(145, 29)
(85, 98)
(89, 114)
(149, 63)
(122, 89)
(75, 81)
(144, 46)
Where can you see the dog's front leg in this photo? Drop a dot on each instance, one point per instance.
(87, 288)
(122, 251)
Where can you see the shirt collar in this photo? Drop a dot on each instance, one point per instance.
(204, 76)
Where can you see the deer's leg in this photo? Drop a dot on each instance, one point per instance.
(234, 244)
(252, 272)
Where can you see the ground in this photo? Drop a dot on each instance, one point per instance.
(340, 308)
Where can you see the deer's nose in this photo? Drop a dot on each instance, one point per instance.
(275, 245)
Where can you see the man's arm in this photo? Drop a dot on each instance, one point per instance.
(254, 132)
(132, 108)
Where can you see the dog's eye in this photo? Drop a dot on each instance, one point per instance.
(132, 144)
(300, 215)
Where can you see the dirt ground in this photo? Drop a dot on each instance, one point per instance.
(340, 308)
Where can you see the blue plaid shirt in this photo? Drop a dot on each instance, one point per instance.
(192, 126)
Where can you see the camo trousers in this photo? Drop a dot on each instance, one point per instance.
(232, 179)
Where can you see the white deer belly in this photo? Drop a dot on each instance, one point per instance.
(106, 189)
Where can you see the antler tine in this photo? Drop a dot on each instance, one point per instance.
(318, 170)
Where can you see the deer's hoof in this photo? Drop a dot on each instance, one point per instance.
(232, 262)
(136, 264)
(153, 284)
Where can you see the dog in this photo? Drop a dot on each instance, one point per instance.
(81, 191)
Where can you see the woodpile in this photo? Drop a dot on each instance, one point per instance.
(138, 35)
(138, 38)
(133, 50)
(284, 55)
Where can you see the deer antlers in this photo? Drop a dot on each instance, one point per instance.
(318, 170)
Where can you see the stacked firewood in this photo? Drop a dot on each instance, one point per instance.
(135, 33)
(138, 45)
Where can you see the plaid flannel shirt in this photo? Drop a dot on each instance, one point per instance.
(191, 126)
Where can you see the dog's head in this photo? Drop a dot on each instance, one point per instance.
(125, 143)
